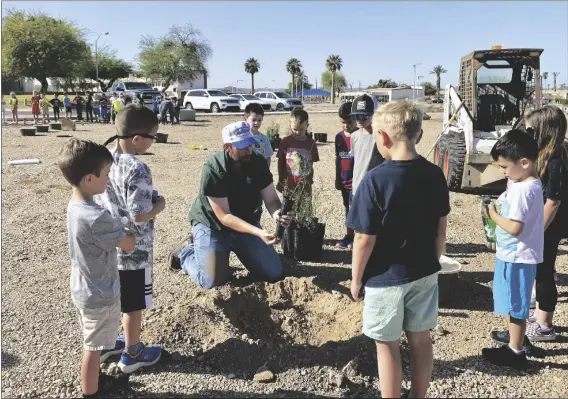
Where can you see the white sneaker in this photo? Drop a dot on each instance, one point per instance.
(533, 299)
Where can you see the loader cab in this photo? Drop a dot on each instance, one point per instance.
(499, 85)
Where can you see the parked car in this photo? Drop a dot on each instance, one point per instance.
(279, 100)
(437, 101)
(210, 100)
(131, 89)
(246, 99)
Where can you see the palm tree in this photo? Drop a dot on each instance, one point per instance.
(252, 66)
(293, 66)
(545, 76)
(554, 75)
(333, 64)
(438, 70)
(300, 80)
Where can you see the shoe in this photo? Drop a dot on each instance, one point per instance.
(536, 333)
(345, 242)
(532, 317)
(174, 260)
(119, 346)
(503, 338)
(148, 356)
(505, 357)
(110, 383)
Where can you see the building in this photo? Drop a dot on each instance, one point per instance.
(387, 94)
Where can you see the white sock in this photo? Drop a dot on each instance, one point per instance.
(517, 352)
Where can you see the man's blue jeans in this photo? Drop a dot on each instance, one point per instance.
(207, 259)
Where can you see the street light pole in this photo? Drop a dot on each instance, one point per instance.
(236, 88)
(414, 87)
(97, 57)
(273, 85)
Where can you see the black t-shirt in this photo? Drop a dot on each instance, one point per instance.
(79, 101)
(242, 187)
(55, 102)
(400, 202)
(376, 159)
(555, 187)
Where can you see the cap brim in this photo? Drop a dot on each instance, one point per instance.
(242, 144)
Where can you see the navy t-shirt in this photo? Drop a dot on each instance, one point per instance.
(400, 202)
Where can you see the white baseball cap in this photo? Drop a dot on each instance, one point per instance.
(238, 134)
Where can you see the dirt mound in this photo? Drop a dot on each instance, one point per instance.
(293, 311)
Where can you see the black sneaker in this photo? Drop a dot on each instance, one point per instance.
(505, 357)
(503, 338)
(173, 257)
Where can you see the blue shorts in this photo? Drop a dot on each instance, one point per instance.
(512, 288)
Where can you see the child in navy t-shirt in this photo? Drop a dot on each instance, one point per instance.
(344, 165)
(399, 214)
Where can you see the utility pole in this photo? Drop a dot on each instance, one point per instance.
(97, 57)
(414, 87)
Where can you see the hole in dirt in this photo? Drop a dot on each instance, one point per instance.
(293, 311)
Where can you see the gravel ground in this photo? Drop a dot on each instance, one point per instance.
(304, 331)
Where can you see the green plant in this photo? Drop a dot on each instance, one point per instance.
(301, 193)
(272, 130)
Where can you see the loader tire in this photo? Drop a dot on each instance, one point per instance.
(453, 161)
(440, 151)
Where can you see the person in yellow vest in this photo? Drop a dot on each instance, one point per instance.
(44, 105)
(118, 105)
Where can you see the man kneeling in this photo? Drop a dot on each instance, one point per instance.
(222, 216)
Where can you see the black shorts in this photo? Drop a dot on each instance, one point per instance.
(135, 289)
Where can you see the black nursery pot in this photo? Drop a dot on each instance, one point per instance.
(304, 243)
(275, 142)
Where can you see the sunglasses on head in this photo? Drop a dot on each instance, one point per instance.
(358, 117)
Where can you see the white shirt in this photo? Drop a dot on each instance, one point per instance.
(523, 202)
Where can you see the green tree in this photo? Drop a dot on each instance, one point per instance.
(438, 70)
(300, 80)
(37, 46)
(384, 84)
(180, 55)
(545, 77)
(554, 76)
(339, 81)
(111, 68)
(429, 88)
(252, 66)
(333, 64)
(293, 66)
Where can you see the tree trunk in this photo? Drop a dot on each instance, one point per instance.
(333, 87)
(167, 84)
(106, 86)
(292, 88)
(252, 83)
(44, 84)
(205, 79)
(438, 84)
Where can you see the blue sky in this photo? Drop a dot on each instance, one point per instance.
(376, 40)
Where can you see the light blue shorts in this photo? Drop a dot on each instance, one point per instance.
(412, 307)
(512, 288)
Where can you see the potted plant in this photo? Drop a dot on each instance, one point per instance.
(272, 132)
(303, 240)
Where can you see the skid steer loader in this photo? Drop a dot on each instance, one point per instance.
(497, 87)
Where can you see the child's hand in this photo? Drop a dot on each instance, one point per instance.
(160, 204)
(356, 290)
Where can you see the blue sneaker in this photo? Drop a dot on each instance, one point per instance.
(119, 346)
(148, 356)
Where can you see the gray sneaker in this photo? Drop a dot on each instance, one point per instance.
(536, 333)
(173, 257)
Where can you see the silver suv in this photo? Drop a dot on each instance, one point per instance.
(280, 100)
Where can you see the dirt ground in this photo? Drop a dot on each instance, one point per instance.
(305, 329)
